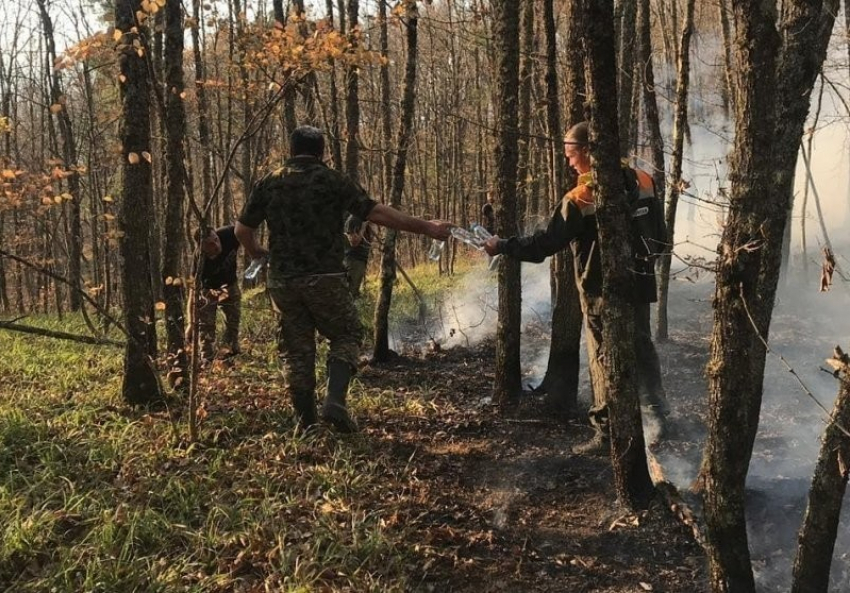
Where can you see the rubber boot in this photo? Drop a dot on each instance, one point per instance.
(335, 411)
(599, 445)
(305, 409)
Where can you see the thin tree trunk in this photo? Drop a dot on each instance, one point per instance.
(650, 102)
(140, 383)
(204, 133)
(526, 75)
(69, 155)
(175, 126)
(381, 352)
(386, 111)
(618, 364)
(774, 82)
(562, 370)
(625, 80)
(352, 101)
(506, 33)
(728, 92)
(809, 181)
(816, 542)
(336, 145)
(679, 124)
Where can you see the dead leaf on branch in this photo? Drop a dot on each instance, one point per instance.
(827, 269)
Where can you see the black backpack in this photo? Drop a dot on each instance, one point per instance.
(648, 230)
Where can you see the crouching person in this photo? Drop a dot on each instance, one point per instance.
(219, 290)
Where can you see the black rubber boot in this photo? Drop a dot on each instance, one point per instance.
(335, 411)
(599, 445)
(305, 409)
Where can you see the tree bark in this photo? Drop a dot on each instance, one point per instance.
(562, 370)
(617, 375)
(774, 80)
(204, 133)
(506, 33)
(386, 111)
(175, 126)
(816, 542)
(679, 124)
(336, 145)
(728, 95)
(140, 383)
(626, 70)
(69, 156)
(352, 101)
(526, 80)
(405, 131)
(650, 102)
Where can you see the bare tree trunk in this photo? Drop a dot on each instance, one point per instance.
(816, 542)
(247, 167)
(204, 133)
(386, 111)
(625, 80)
(336, 145)
(728, 93)
(650, 102)
(618, 372)
(679, 124)
(784, 271)
(562, 370)
(405, 131)
(140, 384)
(526, 75)
(69, 156)
(309, 80)
(774, 80)
(352, 101)
(506, 33)
(175, 126)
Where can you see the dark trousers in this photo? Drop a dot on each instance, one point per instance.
(650, 386)
(229, 301)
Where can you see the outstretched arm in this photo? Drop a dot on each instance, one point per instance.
(537, 247)
(390, 217)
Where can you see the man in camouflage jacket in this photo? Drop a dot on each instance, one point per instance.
(303, 203)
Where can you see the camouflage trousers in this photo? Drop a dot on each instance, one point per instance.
(356, 273)
(650, 387)
(307, 305)
(229, 301)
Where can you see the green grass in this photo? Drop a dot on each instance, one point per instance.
(98, 497)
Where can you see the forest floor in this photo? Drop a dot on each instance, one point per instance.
(440, 491)
(506, 506)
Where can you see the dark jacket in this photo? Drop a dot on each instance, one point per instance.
(220, 270)
(574, 223)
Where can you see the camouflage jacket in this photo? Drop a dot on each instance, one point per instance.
(303, 203)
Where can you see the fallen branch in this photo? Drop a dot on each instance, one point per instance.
(39, 331)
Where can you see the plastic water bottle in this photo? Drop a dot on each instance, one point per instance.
(253, 270)
(479, 231)
(483, 235)
(465, 236)
(436, 250)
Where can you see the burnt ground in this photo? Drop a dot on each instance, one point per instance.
(506, 506)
